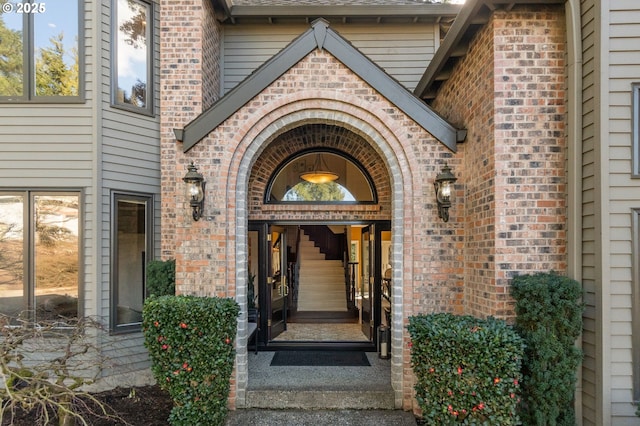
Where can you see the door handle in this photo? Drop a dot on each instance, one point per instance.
(284, 288)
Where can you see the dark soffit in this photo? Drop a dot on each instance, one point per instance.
(472, 17)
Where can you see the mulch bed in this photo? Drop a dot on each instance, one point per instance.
(145, 405)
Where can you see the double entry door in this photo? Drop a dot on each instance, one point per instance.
(271, 264)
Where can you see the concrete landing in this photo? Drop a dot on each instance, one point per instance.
(319, 388)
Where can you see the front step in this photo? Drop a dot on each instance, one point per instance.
(246, 417)
(316, 388)
(313, 399)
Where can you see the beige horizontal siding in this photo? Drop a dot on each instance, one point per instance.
(404, 51)
(590, 342)
(129, 161)
(623, 195)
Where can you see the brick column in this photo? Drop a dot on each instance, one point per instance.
(509, 93)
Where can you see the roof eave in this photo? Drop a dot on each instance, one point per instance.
(319, 36)
(470, 16)
(365, 10)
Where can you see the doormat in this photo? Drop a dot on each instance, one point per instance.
(320, 359)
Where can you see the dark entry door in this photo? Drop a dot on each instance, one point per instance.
(368, 280)
(277, 285)
(373, 265)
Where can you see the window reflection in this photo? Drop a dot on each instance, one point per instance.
(56, 62)
(56, 256)
(307, 191)
(12, 63)
(39, 255)
(11, 255)
(39, 52)
(133, 48)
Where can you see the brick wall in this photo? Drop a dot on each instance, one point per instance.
(238, 156)
(509, 93)
(188, 75)
(508, 212)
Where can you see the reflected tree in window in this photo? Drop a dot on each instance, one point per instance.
(53, 76)
(11, 60)
(39, 255)
(52, 67)
(132, 49)
(11, 255)
(307, 191)
(56, 256)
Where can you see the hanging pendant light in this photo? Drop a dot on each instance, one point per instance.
(320, 172)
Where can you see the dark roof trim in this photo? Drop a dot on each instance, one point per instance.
(449, 44)
(321, 37)
(364, 10)
(472, 16)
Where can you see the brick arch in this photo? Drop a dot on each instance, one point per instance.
(319, 135)
(373, 143)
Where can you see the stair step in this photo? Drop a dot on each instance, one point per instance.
(317, 399)
(321, 281)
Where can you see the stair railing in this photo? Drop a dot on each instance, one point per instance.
(295, 278)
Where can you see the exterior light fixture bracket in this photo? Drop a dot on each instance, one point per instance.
(195, 190)
(444, 191)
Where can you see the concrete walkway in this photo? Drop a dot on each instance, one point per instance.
(255, 417)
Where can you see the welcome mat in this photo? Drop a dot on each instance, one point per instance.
(320, 359)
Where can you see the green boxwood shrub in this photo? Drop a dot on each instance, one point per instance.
(467, 369)
(191, 343)
(549, 319)
(161, 277)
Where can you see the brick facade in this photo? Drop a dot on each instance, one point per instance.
(188, 79)
(509, 92)
(508, 211)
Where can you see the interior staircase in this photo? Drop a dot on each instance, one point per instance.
(321, 285)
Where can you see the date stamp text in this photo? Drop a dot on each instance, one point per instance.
(22, 8)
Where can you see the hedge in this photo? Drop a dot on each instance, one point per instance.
(467, 369)
(191, 343)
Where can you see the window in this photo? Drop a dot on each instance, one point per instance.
(132, 240)
(40, 51)
(39, 255)
(132, 55)
(351, 185)
(635, 126)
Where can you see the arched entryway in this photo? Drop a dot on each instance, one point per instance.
(343, 133)
(307, 291)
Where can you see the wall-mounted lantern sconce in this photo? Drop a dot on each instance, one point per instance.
(444, 189)
(195, 190)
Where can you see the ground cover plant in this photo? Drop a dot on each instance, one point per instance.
(467, 369)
